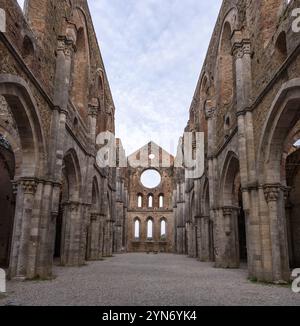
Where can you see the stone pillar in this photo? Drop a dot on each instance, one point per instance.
(108, 223)
(231, 243)
(22, 228)
(275, 198)
(43, 230)
(181, 231)
(94, 245)
(204, 238)
(212, 173)
(174, 221)
(198, 238)
(249, 182)
(93, 113)
(71, 254)
(101, 236)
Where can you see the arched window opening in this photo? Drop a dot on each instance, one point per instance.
(140, 201)
(81, 68)
(161, 201)
(7, 200)
(281, 48)
(163, 229)
(27, 49)
(226, 67)
(150, 229)
(297, 144)
(150, 201)
(269, 13)
(137, 229)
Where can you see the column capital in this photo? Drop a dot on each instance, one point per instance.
(15, 187)
(65, 45)
(209, 111)
(95, 216)
(272, 192)
(60, 110)
(28, 185)
(93, 110)
(73, 205)
(228, 210)
(241, 48)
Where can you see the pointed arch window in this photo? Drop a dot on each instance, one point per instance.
(161, 201)
(137, 228)
(163, 229)
(150, 201)
(150, 229)
(140, 201)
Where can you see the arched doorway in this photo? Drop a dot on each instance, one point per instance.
(293, 206)
(69, 220)
(278, 173)
(93, 236)
(25, 134)
(7, 200)
(234, 215)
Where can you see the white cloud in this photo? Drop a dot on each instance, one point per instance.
(153, 51)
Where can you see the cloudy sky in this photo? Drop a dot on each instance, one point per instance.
(153, 52)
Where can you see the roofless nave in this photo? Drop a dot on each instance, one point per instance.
(56, 202)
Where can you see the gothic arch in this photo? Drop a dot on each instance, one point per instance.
(6, 132)
(234, 219)
(269, 11)
(23, 108)
(231, 18)
(137, 228)
(81, 64)
(163, 227)
(72, 173)
(229, 172)
(67, 220)
(98, 90)
(282, 117)
(225, 67)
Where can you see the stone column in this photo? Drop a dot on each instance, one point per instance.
(93, 113)
(174, 221)
(275, 198)
(231, 243)
(181, 238)
(64, 53)
(204, 241)
(94, 237)
(21, 237)
(212, 172)
(36, 239)
(72, 235)
(198, 238)
(247, 156)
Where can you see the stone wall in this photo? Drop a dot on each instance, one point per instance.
(64, 201)
(248, 93)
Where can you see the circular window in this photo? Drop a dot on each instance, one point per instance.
(150, 179)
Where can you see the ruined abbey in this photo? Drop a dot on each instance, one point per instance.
(58, 205)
